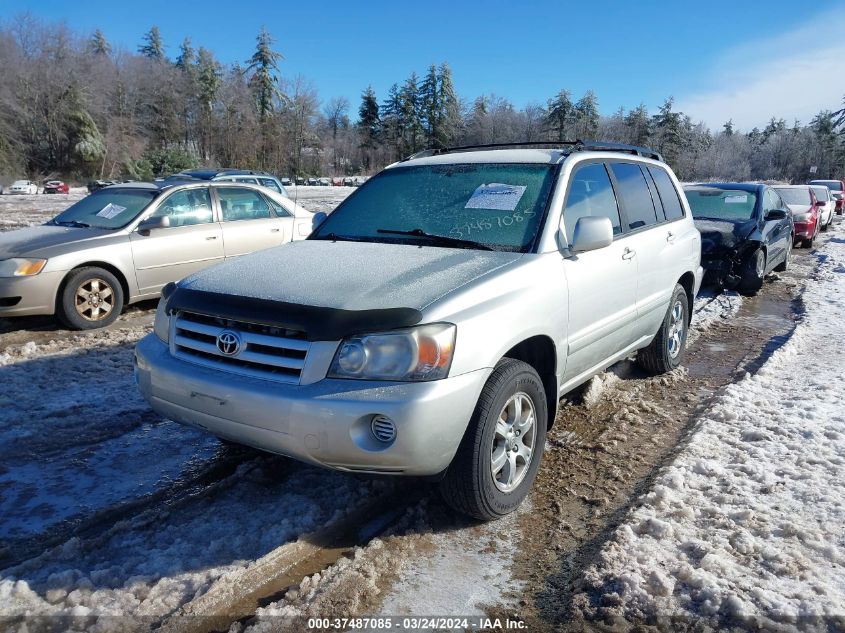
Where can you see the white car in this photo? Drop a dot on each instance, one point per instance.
(23, 187)
(826, 203)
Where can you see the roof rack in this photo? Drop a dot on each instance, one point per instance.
(566, 147)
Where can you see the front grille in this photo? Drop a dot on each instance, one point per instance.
(268, 352)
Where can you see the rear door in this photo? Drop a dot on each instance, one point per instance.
(192, 242)
(653, 240)
(601, 283)
(249, 222)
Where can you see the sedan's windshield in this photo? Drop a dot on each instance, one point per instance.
(107, 208)
(499, 206)
(721, 204)
(797, 195)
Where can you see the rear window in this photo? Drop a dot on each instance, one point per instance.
(798, 195)
(822, 193)
(721, 204)
(833, 185)
(635, 195)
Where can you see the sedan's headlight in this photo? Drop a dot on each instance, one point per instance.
(21, 267)
(801, 217)
(416, 354)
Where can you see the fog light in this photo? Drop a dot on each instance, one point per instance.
(383, 428)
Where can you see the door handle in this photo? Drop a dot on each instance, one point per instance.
(670, 237)
(274, 230)
(628, 253)
(213, 237)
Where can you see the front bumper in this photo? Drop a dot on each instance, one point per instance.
(326, 423)
(24, 296)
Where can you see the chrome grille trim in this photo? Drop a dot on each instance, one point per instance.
(266, 352)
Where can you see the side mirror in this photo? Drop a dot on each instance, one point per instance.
(318, 219)
(775, 214)
(591, 234)
(156, 222)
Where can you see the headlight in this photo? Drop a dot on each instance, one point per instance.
(801, 217)
(21, 267)
(416, 354)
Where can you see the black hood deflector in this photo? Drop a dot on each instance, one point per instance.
(318, 323)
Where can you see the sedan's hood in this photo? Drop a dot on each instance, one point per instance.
(35, 240)
(350, 275)
(721, 235)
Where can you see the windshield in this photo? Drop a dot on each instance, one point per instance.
(822, 193)
(799, 195)
(721, 204)
(107, 208)
(498, 205)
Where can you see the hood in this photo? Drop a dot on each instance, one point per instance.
(34, 240)
(799, 208)
(720, 235)
(350, 275)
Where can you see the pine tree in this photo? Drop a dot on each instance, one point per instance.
(587, 116)
(429, 98)
(187, 55)
(98, 44)
(728, 128)
(153, 47)
(668, 127)
(561, 115)
(450, 108)
(368, 125)
(411, 112)
(638, 124)
(264, 65)
(393, 121)
(208, 77)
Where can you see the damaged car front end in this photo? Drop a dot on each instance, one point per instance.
(746, 232)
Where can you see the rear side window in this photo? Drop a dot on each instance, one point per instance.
(270, 184)
(668, 194)
(636, 198)
(590, 195)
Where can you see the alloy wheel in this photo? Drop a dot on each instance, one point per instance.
(94, 299)
(513, 442)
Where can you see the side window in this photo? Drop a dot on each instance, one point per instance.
(672, 206)
(655, 197)
(186, 207)
(270, 184)
(278, 209)
(635, 195)
(590, 195)
(242, 204)
(250, 181)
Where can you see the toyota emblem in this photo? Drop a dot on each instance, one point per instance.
(228, 342)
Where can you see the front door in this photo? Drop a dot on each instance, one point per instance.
(192, 242)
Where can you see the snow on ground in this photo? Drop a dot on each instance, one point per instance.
(19, 211)
(319, 198)
(745, 527)
(711, 307)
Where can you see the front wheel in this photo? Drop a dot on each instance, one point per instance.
(667, 349)
(91, 298)
(500, 452)
(753, 273)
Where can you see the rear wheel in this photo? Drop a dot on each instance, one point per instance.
(667, 349)
(500, 452)
(91, 298)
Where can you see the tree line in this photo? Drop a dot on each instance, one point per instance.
(74, 106)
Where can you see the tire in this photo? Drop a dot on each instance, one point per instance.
(826, 225)
(668, 347)
(784, 265)
(90, 298)
(808, 243)
(472, 485)
(753, 273)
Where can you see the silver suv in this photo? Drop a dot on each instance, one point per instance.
(431, 323)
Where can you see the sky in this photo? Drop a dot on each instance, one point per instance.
(720, 60)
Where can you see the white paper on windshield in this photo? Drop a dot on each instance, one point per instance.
(111, 210)
(496, 196)
(736, 199)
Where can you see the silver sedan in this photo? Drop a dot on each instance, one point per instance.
(123, 243)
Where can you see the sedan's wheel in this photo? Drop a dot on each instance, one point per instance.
(501, 450)
(91, 298)
(753, 273)
(667, 348)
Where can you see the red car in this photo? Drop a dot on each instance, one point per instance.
(56, 186)
(805, 209)
(837, 190)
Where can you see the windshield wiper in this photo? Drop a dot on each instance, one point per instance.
(73, 223)
(439, 239)
(334, 237)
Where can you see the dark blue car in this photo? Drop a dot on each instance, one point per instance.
(746, 232)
